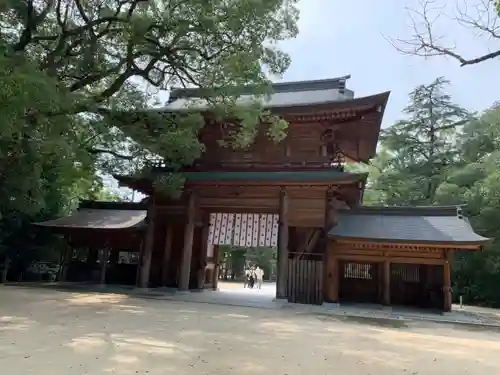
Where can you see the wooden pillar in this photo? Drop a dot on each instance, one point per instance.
(66, 257)
(147, 248)
(331, 277)
(281, 290)
(447, 281)
(167, 251)
(103, 265)
(138, 269)
(187, 252)
(387, 282)
(202, 266)
(215, 273)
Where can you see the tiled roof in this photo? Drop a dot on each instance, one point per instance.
(407, 224)
(99, 219)
(286, 94)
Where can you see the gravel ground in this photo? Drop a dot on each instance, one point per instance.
(52, 332)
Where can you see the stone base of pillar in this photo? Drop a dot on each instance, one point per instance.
(331, 305)
(280, 301)
(143, 290)
(197, 290)
(166, 289)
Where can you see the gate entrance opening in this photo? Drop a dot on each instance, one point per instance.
(238, 242)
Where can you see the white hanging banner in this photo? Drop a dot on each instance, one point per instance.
(248, 230)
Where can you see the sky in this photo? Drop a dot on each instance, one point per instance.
(340, 37)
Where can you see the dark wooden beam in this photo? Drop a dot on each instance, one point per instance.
(387, 283)
(281, 291)
(187, 252)
(147, 250)
(167, 253)
(447, 281)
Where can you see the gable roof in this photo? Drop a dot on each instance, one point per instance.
(424, 225)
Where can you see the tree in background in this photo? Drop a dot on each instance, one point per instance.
(480, 17)
(236, 258)
(421, 148)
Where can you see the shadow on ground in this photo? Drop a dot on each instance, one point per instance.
(108, 333)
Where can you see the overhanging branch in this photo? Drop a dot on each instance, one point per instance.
(425, 43)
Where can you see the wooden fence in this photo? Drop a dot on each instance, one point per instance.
(305, 280)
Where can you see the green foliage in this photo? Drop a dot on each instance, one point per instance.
(239, 257)
(442, 155)
(102, 54)
(421, 147)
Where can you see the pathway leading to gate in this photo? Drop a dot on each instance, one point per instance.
(44, 331)
(233, 293)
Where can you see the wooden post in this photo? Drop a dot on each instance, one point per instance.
(104, 265)
(447, 282)
(138, 269)
(331, 270)
(332, 275)
(66, 253)
(147, 249)
(215, 274)
(203, 256)
(166, 254)
(281, 290)
(387, 283)
(187, 252)
(336, 280)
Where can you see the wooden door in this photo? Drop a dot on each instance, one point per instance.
(359, 282)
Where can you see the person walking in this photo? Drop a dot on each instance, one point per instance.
(247, 278)
(259, 276)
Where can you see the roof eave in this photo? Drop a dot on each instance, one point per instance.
(473, 244)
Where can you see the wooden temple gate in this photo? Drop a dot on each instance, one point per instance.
(289, 194)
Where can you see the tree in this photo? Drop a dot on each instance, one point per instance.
(481, 17)
(101, 54)
(422, 147)
(236, 258)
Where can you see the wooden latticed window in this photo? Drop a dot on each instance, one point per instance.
(408, 273)
(358, 271)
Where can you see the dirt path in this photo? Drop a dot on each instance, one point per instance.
(62, 333)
